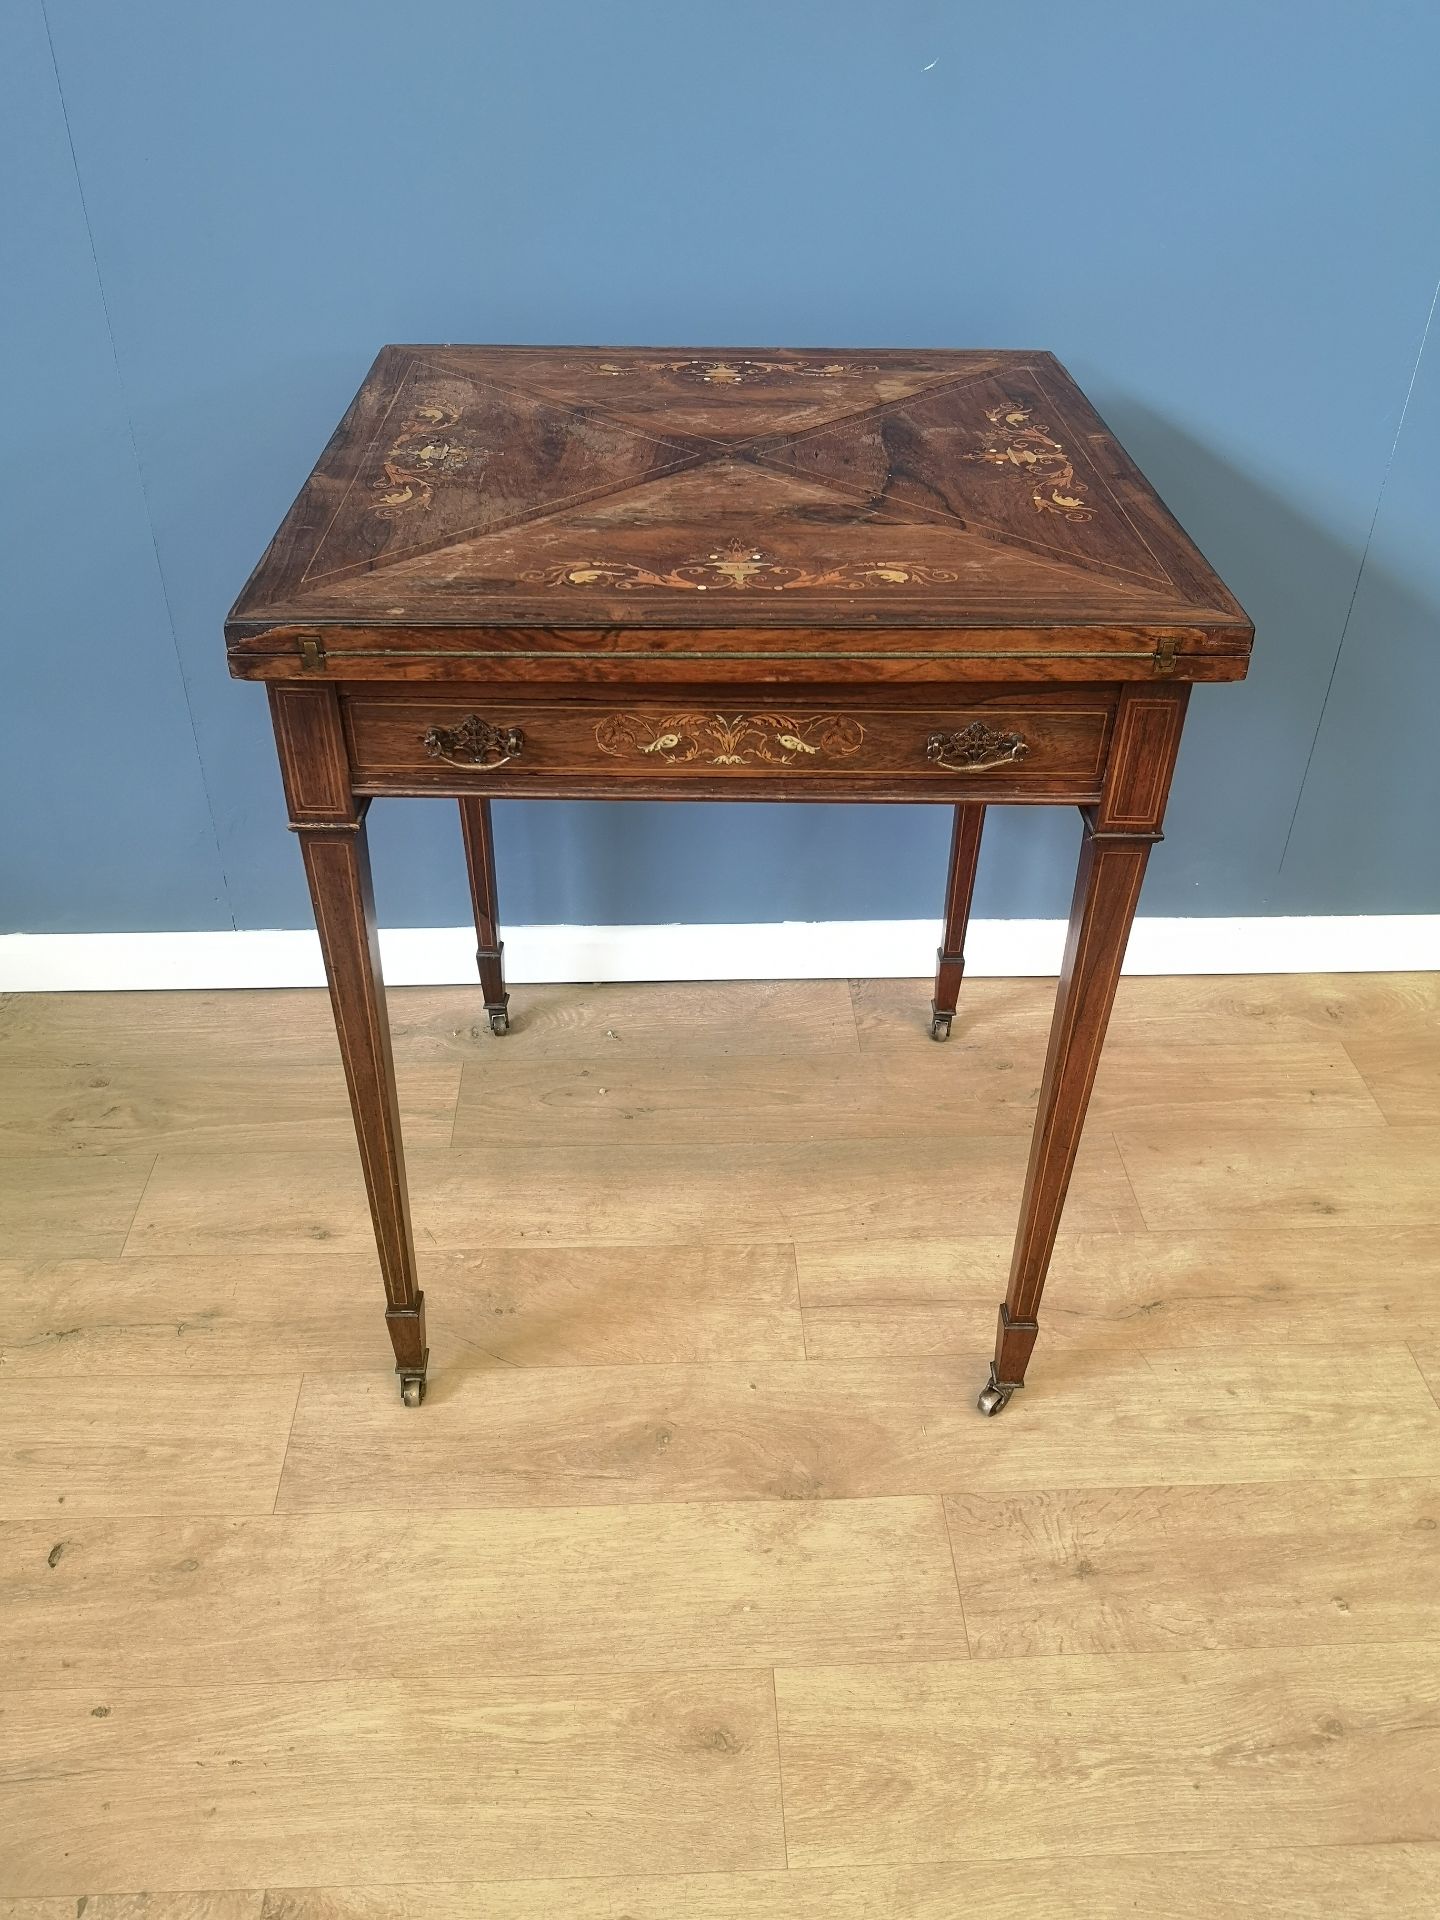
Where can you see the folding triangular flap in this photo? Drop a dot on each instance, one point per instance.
(456, 455)
(722, 397)
(693, 535)
(996, 456)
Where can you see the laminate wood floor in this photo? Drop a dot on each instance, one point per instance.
(698, 1590)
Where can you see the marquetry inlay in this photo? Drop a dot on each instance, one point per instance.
(729, 740)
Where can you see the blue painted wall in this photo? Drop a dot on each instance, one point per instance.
(1221, 215)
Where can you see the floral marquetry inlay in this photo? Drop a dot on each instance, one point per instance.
(734, 372)
(420, 454)
(1021, 444)
(924, 497)
(734, 740)
(738, 566)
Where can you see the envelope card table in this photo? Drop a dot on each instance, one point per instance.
(749, 574)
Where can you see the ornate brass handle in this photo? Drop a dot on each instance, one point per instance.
(975, 747)
(474, 743)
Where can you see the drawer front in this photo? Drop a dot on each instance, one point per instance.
(1029, 746)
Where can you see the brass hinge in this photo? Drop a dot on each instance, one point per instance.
(1164, 661)
(312, 653)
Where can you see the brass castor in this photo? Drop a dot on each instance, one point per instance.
(499, 1019)
(995, 1397)
(940, 1024)
(412, 1388)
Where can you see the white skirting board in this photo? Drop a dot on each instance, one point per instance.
(784, 950)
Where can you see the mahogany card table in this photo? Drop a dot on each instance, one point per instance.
(684, 574)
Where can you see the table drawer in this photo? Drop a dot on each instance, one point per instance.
(1029, 745)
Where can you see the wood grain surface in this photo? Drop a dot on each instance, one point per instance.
(697, 1590)
(1125, 1754)
(622, 514)
(291, 1782)
(203, 1203)
(1300, 1883)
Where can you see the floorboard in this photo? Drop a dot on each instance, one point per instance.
(698, 1589)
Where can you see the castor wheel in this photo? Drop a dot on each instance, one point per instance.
(499, 1020)
(995, 1396)
(940, 1024)
(412, 1388)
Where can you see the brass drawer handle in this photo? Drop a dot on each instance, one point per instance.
(975, 747)
(474, 743)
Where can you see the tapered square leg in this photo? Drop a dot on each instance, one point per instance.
(338, 868)
(1119, 834)
(330, 825)
(490, 951)
(959, 892)
(1106, 890)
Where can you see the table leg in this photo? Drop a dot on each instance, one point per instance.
(331, 829)
(959, 892)
(490, 953)
(1118, 836)
(1106, 891)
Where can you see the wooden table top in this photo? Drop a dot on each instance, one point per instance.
(725, 503)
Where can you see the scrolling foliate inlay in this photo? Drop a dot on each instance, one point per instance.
(1024, 446)
(738, 567)
(734, 740)
(734, 372)
(420, 455)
